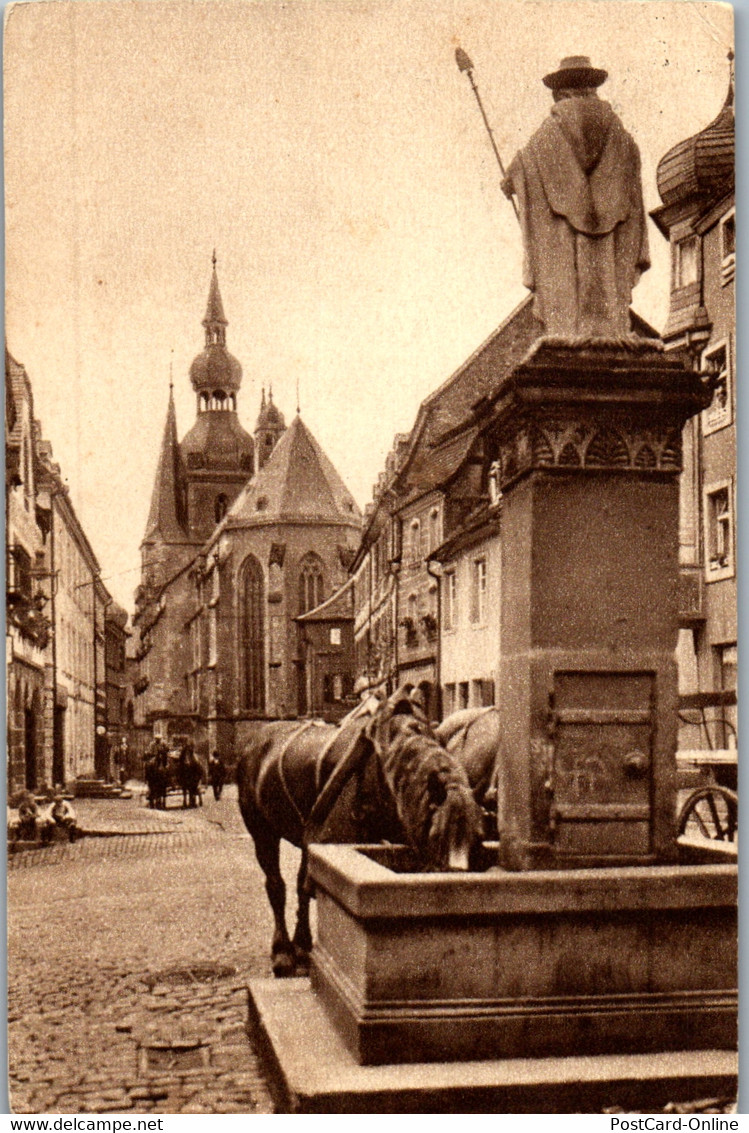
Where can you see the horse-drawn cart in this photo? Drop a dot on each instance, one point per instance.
(173, 772)
(708, 772)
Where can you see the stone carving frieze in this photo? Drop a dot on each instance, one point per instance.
(571, 442)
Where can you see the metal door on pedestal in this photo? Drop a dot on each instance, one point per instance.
(601, 782)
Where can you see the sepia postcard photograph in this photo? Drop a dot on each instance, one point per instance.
(370, 512)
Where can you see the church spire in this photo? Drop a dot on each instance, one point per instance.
(166, 513)
(215, 321)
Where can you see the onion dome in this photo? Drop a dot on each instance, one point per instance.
(216, 442)
(703, 165)
(215, 369)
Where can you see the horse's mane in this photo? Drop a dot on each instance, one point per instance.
(431, 790)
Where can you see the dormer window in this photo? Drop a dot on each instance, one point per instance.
(728, 247)
(686, 262)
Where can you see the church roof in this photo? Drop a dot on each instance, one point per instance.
(165, 514)
(297, 483)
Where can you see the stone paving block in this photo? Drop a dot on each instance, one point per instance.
(75, 1028)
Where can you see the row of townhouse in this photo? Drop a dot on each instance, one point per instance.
(428, 574)
(65, 637)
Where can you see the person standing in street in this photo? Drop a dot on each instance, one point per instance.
(216, 774)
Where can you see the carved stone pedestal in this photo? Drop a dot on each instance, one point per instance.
(587, 447)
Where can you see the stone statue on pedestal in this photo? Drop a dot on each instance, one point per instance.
(579, 193)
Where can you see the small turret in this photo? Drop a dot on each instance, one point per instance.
(270, 426)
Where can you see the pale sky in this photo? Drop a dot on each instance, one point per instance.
(335, 157)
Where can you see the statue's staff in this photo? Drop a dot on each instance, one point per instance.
(465, 64)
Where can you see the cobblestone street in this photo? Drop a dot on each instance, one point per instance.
(128, 961)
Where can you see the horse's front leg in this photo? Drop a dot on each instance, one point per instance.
(267, 847)
(302, 933)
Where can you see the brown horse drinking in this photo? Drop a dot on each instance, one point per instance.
(473, 736)
(381, 775)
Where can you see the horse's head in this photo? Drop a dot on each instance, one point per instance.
(440, 817)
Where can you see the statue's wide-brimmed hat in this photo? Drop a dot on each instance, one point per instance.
(575, 71)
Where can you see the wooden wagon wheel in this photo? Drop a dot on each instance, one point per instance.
(710, 812)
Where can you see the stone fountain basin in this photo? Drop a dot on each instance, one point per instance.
(420, 967)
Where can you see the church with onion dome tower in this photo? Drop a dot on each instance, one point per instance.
(244, 534)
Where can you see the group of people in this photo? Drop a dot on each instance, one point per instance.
(35, 820)
(32, 821)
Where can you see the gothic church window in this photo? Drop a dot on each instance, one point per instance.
(252, 635)
(310, 583)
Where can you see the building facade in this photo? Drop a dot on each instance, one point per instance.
(56, 603)
(697, 217)
(28, 623)
(78, 600)
(116, 692)
(326, 652)
(469, 612)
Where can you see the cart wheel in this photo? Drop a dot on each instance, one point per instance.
(710, 812)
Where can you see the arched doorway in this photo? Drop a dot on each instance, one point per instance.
(252, 635)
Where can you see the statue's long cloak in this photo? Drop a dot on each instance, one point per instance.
(579, 193)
